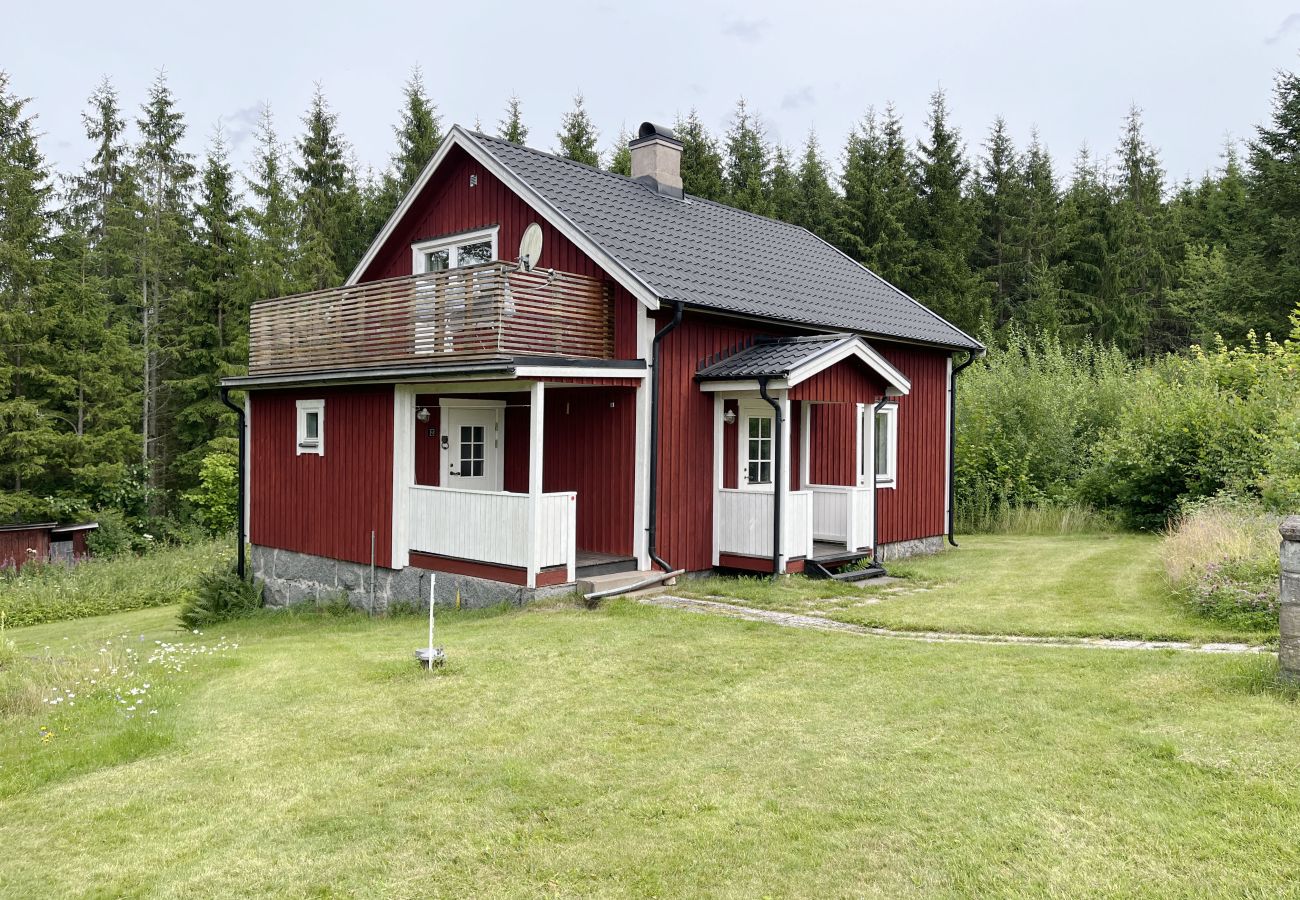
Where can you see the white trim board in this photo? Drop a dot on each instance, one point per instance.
(459, 137)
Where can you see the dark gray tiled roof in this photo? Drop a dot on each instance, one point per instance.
(711, 255)
(771, 358)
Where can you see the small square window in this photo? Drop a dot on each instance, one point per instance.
(311, 427)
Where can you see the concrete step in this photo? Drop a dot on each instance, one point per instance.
(594, 584)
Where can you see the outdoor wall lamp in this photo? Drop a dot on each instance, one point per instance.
(729, 417)
(422, 414)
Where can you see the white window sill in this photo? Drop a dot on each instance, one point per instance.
(890, 483)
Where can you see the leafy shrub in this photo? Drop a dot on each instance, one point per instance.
(98, 587)
(217, 595)
(216, 499)
(1028, 415)
(1221, 556)
(113, 537)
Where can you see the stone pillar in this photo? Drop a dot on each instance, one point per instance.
(1288, 652)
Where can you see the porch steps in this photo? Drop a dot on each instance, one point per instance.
(825, 567)
(597, 584)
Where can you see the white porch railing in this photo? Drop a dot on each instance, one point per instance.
(745, 522)
(841, 513)
(492, 527)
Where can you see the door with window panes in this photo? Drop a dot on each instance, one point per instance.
(471, 448)
(756, 446)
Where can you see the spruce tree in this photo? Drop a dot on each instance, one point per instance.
(512, 127)
(419, 134)
(272, 260)
(879, 200)
(620, 155)
(1039, 306)
(782, 190)
(1000, 198)
(166, 174)
(747, 163)
(1085, 251)
(1274, 191)
(1137, 277)
(325, 195)
(701, 161)
(213, 330)
(27, 433)
(816, 203)
(577, 135)
(946, 228)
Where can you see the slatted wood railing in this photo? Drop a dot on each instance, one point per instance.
(476, 313)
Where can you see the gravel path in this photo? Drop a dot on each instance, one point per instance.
(821, 623)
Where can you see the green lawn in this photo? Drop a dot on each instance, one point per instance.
(636, 751)
(1108, 585)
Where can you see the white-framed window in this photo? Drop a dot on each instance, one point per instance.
(757, 443)
(885, 462)
(472, 248)
(311, 427)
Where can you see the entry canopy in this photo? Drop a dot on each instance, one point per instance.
(785, 362)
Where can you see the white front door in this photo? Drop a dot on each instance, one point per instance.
(755, 454)
(471, 446)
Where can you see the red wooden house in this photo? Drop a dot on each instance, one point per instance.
(669, 384)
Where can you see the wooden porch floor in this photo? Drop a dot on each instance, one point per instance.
(590, 562)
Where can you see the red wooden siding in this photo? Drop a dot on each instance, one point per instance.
(833, 440)
(590, 436)
(448, 205)
(685, 527)
(914, 509)
(474, 569)
(15, 544)
(324, 505)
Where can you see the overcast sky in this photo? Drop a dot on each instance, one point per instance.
(1200, 71)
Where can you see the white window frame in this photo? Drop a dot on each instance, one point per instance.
(303, 443)
(890, 411)
(451, 243)
(746, 410)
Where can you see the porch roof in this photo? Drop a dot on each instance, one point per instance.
(792, 360)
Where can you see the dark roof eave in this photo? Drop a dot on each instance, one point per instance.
(499, 368)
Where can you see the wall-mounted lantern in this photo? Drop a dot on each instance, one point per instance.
(422, 414)
(729, 417)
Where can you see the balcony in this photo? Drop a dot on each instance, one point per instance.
(480, 313)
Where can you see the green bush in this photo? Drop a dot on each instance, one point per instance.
(216, 499)
(96, 587)
(217, 595)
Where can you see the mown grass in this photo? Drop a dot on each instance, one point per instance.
(1107, 585)
(96, 587)
(635, 751)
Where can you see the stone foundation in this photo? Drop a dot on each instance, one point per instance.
(915, 547)
(292, 578)
(1288, 649)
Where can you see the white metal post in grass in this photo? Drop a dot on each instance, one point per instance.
(431, 656)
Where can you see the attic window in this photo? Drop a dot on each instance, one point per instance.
(472, 248)
(311, 427)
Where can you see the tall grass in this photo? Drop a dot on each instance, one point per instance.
(1221, 556)
(1044, 519)
(51, 592)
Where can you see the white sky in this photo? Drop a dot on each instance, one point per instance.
(1200, 71)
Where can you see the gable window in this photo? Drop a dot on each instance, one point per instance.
(756, 446)
(311, 427)
(472, 248)
(885, 463)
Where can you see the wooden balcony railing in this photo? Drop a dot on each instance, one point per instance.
(475, 313)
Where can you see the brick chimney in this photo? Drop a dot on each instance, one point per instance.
(657, 159)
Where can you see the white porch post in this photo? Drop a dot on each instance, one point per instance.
(867, 450)
(403, 471)
(719, 408)
(536, 441)
(783, 481)
(645, 328)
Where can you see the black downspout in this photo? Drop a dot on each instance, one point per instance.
(243, 452)
(655, 388)
(875, 491)
(777, 456)
(952, 448)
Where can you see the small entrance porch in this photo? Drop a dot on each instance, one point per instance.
(804, 426)
(525, 482)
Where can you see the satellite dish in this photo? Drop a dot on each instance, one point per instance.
(530, 246)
